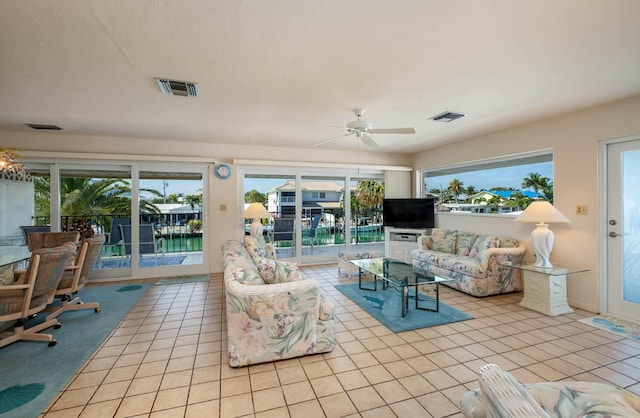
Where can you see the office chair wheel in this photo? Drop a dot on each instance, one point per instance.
(52, 343)
(98, 310)
(57, 326)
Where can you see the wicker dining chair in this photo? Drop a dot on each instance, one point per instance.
(31, 294)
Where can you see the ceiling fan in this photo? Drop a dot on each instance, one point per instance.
(362, 128)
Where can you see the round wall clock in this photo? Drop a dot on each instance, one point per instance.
(223, 171)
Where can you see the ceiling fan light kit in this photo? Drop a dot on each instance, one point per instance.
(362, 128)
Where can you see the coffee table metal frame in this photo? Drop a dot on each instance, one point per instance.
(401, 276)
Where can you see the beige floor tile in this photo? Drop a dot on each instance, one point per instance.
(264, 380)
(298, 392)
(408, 408)
(73, 398)
(236, 406)
(235, 386)
(377, 374)
(121, 373)
(308, 409)
(365, 398)
(204, 392)
(136, 405)
(327, 385)
(176, 379)
(294, 374)
(266, 399)
(338, 405)
(392, 391)
(142, 385)
(111, 391)
(105, 409)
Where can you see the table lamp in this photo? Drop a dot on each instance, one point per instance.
(542, 238)
(256, 211)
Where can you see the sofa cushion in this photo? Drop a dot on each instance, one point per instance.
(464, 242)
(256, 247)
(274, 271)
(444, 240)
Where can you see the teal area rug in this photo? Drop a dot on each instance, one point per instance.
(626, 329)
(183, 279)
(169, 260)
(385, 306)
(33, 373)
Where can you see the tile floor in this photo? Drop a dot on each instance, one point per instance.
(168, 359)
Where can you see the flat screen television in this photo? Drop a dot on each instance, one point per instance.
(408, 213)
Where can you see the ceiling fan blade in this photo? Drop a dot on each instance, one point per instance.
(326, 141)
(392, 131)
(368, 141)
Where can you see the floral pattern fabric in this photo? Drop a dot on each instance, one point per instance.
(274, 271)
(268, 322)
(565, 400)
(443, 240)
(480, 273)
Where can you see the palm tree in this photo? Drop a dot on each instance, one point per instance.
(254, 196)
(536, 182)
(87, 196)
(470, 191)
(456, 188)
(370, 193)
(494, 201)
(194, 199)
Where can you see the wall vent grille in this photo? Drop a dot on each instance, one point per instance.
(447, 116)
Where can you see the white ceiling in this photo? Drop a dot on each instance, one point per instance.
(289, 73)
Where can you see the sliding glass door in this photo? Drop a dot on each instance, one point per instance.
(316, 214)
(152, 215)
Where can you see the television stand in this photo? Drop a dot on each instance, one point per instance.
(399, 242)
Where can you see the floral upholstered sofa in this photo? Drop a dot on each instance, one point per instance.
(274, 311)
(501, 395)
(472, 260)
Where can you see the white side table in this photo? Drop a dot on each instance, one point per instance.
(545, 289)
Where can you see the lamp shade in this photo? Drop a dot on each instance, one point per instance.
(541, 211)
(255, 211)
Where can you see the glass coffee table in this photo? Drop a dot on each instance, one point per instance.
(402, 277)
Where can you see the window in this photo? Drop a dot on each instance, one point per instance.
(501, 185)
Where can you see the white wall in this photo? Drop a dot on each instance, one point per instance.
(574, 139)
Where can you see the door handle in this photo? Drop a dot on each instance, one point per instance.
(613, 234)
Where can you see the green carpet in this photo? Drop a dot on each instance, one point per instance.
(33, 373)
(183, 279)
(385, 306)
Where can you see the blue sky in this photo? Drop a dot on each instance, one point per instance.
(496, 177)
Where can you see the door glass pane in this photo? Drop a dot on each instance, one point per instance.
(277, 192)
(171, 228)
(631, 236)
(95, 201)
(322, 217)
(366, 232)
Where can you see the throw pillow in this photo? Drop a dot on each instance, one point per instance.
(274, 271)
(447, 243)
(255, 247)
(464, 243)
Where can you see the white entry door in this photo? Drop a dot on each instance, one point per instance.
(623, 230)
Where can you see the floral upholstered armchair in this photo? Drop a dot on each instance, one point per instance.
(274, 311)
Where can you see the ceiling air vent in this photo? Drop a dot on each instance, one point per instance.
(44, 127)
(447, 116)
(178, 88)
